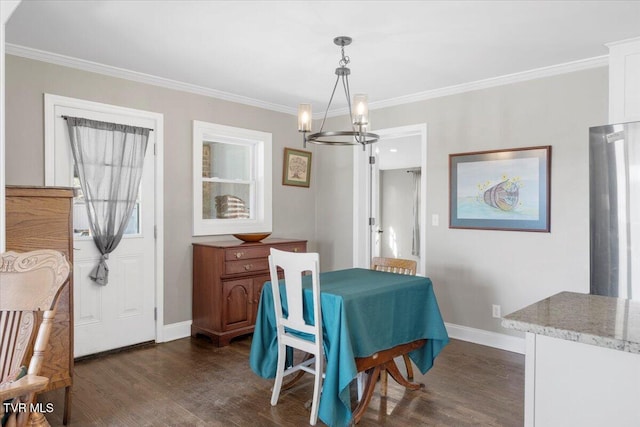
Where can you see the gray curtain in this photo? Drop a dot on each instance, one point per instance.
(108, 160)
(415, 244)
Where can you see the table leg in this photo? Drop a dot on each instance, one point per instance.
(380, 362)
(370, 385)
(67, 405)
(395, 373)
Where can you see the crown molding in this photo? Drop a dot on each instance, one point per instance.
(94, 67)
(623, 42)
(568, 67)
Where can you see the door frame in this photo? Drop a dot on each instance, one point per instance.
(50, 102)
(362, 195)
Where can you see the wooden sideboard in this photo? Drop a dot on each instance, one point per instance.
(42, 218)
(227, 281)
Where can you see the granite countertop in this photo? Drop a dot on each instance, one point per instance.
(590, 319)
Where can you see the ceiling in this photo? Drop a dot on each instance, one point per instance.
(281, 53)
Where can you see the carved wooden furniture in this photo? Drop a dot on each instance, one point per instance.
(30, 284)
(399, 266)
(227, 281)
(42, 218)
(292, 323)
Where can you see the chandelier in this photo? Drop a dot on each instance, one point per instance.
(358, 134)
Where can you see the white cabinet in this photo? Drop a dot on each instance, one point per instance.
(624, 81)
(574, 384)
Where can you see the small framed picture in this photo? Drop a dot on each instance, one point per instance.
(501, 189)
(297, 168)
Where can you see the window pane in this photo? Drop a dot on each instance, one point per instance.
(81, 226)
(226, 161)
(133, 227)
(226, 201)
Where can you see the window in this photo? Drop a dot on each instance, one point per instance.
(231, 180)
(81, 217)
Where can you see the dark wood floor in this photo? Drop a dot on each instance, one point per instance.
(189, 382)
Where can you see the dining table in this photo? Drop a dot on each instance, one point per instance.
(368, 318)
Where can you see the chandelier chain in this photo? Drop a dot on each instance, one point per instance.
(345, 59)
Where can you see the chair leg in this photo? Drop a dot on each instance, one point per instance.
(317, 387)
(37, 419)
(282, 355)
(360, 384)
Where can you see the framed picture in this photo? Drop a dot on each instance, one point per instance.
(297, 168)
(501, 189)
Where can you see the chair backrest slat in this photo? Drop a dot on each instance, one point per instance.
(294, 266)
(10, 332)
(394, 265)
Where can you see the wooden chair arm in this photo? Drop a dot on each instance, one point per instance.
(25, 385)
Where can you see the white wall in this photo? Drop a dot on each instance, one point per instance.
(473, 269)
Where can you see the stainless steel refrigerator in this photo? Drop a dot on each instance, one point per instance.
(614, 187)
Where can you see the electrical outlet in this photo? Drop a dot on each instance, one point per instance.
(495, 311)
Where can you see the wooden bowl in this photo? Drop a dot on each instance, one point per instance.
(252, 237)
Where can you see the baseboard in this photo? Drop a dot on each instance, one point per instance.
(175, 331)
(488, 338)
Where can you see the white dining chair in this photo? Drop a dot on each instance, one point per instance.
(290, 327)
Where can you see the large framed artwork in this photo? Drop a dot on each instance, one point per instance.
(501, 189)
(297, 168)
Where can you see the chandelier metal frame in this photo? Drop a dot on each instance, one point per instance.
(358, 134)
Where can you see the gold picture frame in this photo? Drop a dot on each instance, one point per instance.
(296, 170)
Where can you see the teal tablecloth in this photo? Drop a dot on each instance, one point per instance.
(363, 311)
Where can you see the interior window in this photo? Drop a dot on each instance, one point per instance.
(232, 180)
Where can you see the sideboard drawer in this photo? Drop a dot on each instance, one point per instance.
(246, 266)
(252, 252)
(292, 247)
(246, 252)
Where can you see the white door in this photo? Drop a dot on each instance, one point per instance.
(403, 147)
(375, 212)
(122, 312)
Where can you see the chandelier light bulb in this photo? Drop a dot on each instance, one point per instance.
(304, 118)
(361, 110)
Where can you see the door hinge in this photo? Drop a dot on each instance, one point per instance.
(155, 231)
(154, 149)
(372, 221)
(155, 313)
(372, 160)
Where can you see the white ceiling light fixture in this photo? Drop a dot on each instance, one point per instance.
(358, 134)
